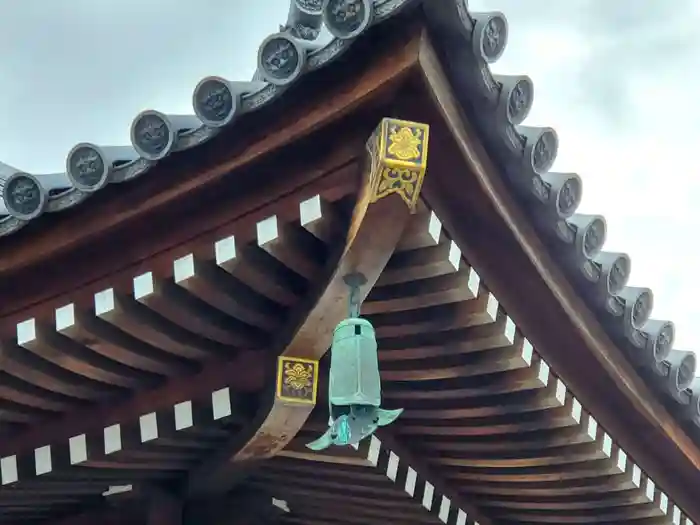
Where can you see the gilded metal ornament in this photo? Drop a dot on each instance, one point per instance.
(398, 152)
(297, 380)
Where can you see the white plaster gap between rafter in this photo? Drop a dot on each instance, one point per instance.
(461, 517)
(636, 475)
(104, 301)
(225, 250)
(281, 504)
(454, 256)
(183, 415)
(183, 268)
(444, 512)
(375, 446)
(607, 445)
(8, 470)
(492, 306)
(42, 460)
(543, 372)
(144, 285)
(474, 282)
(576, 410)
(622, 460)
(392, 467)
(267, 230)
(77, 449)
(509, 330)
(560, 392)
(148, 426)
(526, 352)
(64, 317)
(592, 428)
(221, 403)
(649, 489)
(428, 494)
(435, 227)
(411, 479)
(676, 519)
(663, 502)
(113, 438)
(310, 210)
(26, 331)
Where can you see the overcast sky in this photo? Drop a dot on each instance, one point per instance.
(617, 79)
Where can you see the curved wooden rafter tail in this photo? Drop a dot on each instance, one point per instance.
(395, 165)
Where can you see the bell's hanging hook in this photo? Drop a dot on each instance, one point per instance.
(354, 281)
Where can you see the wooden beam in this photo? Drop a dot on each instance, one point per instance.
(497, 237)
(394, 169)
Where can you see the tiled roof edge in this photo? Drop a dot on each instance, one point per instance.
(498, 106)
(283, 58)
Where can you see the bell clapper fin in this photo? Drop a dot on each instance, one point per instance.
(386, 417)
(321, 443)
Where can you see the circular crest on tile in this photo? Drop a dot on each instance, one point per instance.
(281, 59)
(214, 102)
(490, 35)
(544, 151)
(569, 196)
(662, 341)
(347, 18)
(639, 303)
(152, 135)
(594, 237)
(617, 273)
(23, 196)
(86, 167)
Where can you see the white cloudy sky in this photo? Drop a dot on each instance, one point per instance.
(616, 78)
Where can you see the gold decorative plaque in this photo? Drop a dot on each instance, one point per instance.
(398, 152)
(297, 380)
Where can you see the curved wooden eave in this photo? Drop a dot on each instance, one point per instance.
(500, 240)
(117, 218)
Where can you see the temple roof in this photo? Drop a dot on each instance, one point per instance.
(496, 105)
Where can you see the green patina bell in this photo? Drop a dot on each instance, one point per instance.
(355, 390)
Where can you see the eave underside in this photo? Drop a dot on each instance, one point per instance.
(485, 414)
